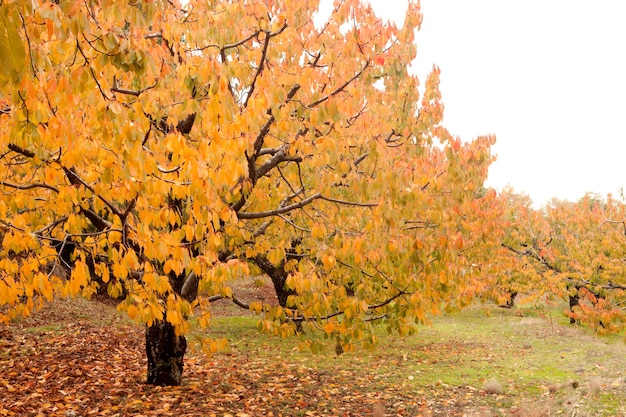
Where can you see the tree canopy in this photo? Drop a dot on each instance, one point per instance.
(159, 151)
(568, 250)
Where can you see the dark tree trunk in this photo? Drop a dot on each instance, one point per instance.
(165, 352)
(278, 275)
(573, 302)
(510, 303)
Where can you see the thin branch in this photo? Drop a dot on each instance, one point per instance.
(233, 298)
(93, 74)
(295, 226)
(75, 179)
(259, 69)
(361, 158)
(338, 313)
(388, 300)
(236, 44)
(380, 317)
(420, 224)
(52, 225)
(29, 186)
(168, 171)
(135, 93)
(261, 66)
(280, 210)
(258, 142)
(340, 88)
(348, 203)
(30, 51)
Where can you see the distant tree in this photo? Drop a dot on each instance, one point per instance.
(160, 151)
(575, 251)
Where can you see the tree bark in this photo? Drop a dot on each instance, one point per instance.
(278, 275)
(573, 302)
(165, 351)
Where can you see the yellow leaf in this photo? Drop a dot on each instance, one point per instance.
(329, 261)
(256, 306)
(132, 312)
(116, 107)
(275, 256)
(227, 292)
(329, 327)
(318, 231)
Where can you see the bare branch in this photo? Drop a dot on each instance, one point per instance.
(241, 42)
(93, 74)
(258, 142)
(388, 300)
(338, 313)
(280, 210)
(75, 179)
(168, 171)
(135, 93)
(340, 88)
(52, 225)
(280, 156)
(420, 224)
(261, 65)
(233, 298)
(361, 158)
(97, 220)
(20, 150)
(348, 203)
(29, 186)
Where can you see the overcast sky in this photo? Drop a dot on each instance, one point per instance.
(547, 77)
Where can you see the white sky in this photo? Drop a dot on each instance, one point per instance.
(548, 77)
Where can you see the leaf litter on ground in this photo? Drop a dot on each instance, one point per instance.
(79, 358)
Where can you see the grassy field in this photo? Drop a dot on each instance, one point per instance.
(78, 358)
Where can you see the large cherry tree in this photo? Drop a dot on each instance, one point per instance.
(160, 151)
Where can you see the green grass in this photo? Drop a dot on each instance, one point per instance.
(534, 353)
(542, 363)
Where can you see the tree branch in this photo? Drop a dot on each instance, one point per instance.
(258, 142)
(348, 203)
(75, 179)
(99, 222)
(135, 93)
(340, 88)
(20, 150)
(280, 210)
(266, 44)
(29, 186)
(280, 156)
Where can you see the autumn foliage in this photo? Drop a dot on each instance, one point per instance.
(158, 152)
(568, 250)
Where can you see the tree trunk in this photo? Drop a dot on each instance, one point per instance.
(278, 275)
(573, 302)
(165, 352)
(510, 303)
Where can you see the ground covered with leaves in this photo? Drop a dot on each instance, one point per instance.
(80, 358)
